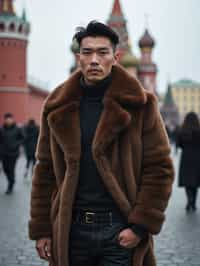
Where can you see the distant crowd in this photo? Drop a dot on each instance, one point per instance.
(12, 138)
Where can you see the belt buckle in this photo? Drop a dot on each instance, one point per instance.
(89, 217)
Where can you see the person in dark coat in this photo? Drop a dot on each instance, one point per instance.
(189, 173)
(11, 137)
(31, 132)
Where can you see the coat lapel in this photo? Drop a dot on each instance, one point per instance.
(65, 125)
(124, 94)
(113, 120)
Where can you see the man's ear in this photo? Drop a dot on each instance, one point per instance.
(77, 55)
(116, 57)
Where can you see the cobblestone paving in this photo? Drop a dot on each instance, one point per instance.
(177, 245)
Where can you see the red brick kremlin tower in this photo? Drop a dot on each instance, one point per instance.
(14, 32)
(143, 68)
(16, 95)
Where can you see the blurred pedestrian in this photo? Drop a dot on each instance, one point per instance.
(104, 174)
(31, 132)
(11, 137)
(189, 173)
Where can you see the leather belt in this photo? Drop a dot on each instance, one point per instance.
(89, 217)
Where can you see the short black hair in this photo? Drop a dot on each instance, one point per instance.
(8, 115)
(95, 29)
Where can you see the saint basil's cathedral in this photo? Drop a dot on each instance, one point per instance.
(24, 99)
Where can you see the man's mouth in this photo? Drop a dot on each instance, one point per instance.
(94, 70)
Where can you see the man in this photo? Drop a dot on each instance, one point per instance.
(11, 137)
(103, 175)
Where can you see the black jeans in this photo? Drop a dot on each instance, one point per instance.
(97, 245)
(9, 163)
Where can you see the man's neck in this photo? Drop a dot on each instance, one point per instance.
(94, 83)
(89, 83)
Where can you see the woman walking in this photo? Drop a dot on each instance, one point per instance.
(189, 173)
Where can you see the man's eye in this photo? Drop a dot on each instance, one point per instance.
(86, 52)
(103, 52)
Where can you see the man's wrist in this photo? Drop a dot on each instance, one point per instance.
(139, 230)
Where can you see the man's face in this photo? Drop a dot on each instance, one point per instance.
(8, 121)
(96, 58)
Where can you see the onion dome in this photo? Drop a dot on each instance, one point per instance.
(146, 40)
(129, 60)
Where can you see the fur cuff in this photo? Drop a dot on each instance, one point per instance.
(39, 230)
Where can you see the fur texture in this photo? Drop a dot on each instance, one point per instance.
(131, 151)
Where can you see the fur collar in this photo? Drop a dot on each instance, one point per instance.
(124, 89)
(62, 108)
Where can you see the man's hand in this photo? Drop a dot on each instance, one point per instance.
(43, 247)
(128, 239)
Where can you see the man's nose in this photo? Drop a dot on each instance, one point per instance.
(94, 59)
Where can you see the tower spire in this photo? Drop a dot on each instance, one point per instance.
(6, 7)
(117, 11)
(117, 22)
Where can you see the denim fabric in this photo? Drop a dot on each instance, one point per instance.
(97, 245)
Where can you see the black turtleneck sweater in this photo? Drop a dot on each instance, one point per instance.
(92, 194)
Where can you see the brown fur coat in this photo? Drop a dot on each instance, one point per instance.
(130, 149)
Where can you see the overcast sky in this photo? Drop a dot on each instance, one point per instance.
(175, 25)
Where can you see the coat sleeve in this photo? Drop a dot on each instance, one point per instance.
(43, 185)
(157, 172)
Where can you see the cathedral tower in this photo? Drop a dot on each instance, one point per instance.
(118, 23)
(147, 69)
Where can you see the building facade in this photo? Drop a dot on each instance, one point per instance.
(186, 95)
